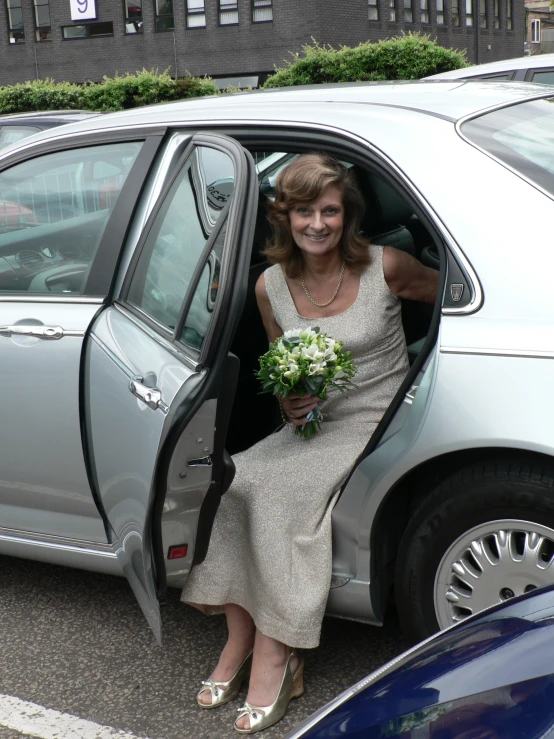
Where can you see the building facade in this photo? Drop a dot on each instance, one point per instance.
(539, 26)
(240, 40)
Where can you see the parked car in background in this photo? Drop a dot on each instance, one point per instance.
(538, 68)
(130, 333)
(18, 126)
(491, 677)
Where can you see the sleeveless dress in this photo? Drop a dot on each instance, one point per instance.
(270, 550)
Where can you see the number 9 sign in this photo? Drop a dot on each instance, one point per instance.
(83, 10)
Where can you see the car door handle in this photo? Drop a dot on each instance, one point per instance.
(40, 332)
(149, 395)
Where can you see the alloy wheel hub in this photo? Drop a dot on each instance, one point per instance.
(492, 563)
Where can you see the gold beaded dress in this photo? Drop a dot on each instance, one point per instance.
(270, 549)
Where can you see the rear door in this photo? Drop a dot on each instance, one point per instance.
(158, 379)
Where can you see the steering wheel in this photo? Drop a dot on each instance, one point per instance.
(51, 280)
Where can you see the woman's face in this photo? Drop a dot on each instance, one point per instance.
(317, 226)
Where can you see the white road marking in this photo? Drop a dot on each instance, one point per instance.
(44, 723)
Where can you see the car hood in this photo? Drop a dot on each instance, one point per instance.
(491, 677)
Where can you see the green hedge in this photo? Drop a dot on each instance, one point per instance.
(113, 93)
(405, 57)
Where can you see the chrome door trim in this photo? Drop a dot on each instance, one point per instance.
(30, 298)
(527, 353)
(57, 543)
(48, 333)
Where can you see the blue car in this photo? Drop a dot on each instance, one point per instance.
(489, 677)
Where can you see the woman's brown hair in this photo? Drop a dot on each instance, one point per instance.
(303, 181)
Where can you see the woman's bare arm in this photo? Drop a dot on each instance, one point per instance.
(295, 407)
(407, 278)
(272, 328)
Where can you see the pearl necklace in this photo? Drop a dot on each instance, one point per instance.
(322, 305)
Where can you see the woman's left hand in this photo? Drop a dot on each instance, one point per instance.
(296, 407)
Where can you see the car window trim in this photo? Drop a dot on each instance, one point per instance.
(80, 141)
(370, 157)
(103, 270)
(537, 70)
(199, 139)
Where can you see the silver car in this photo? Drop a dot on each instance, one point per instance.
(538, 68)
(129, 249)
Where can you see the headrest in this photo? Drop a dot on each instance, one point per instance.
(385, 208)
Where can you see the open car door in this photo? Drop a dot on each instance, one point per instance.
(158, 381)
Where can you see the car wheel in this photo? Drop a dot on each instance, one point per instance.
(483, 536)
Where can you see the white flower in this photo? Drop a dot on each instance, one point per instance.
(312, 352)
(292, 333)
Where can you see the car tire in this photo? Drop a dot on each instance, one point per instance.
(483, 534)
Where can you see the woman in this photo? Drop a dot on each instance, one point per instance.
(269, 561)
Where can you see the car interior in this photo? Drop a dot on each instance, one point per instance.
(389, 219)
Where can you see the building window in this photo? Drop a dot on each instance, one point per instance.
(164, 15)
(469, 12)
(196, 14)
(228, 12)
(392, 10)
(425, 11)
(408, 11)
(455, 13)
(482, 13)
(16, 31)
(497, 13)
(133, 16)
(42, 20)
(536, 32)
(87, 30)
(373, 10)
(509, 15)
(440, 12)
(262, 11)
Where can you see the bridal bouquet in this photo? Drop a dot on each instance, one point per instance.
(307, 362)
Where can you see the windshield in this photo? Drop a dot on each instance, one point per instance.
(521, 136)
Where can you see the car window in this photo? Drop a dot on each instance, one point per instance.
(11, 134)
(545, 77)
(53, 213)
(495, 77)
(520, 136)
(178, 246)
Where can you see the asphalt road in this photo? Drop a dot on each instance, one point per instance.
(77, 642)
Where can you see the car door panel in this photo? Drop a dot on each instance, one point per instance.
(39, 490)
(154, 366)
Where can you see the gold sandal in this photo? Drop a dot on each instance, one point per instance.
(224, 692)
(260, 717)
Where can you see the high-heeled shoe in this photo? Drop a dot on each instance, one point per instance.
(261, 717)
(224, 692)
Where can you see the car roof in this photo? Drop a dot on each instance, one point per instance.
(505, 65)
(46, 116)
(449, 100)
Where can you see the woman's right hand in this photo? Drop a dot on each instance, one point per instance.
(296, 407)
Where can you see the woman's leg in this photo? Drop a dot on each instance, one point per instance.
(240, 642)
(268, 665)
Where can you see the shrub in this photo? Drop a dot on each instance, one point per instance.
(193, 87)
(113, 93)
(40, 95)
(130, 91)
(405, 57)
